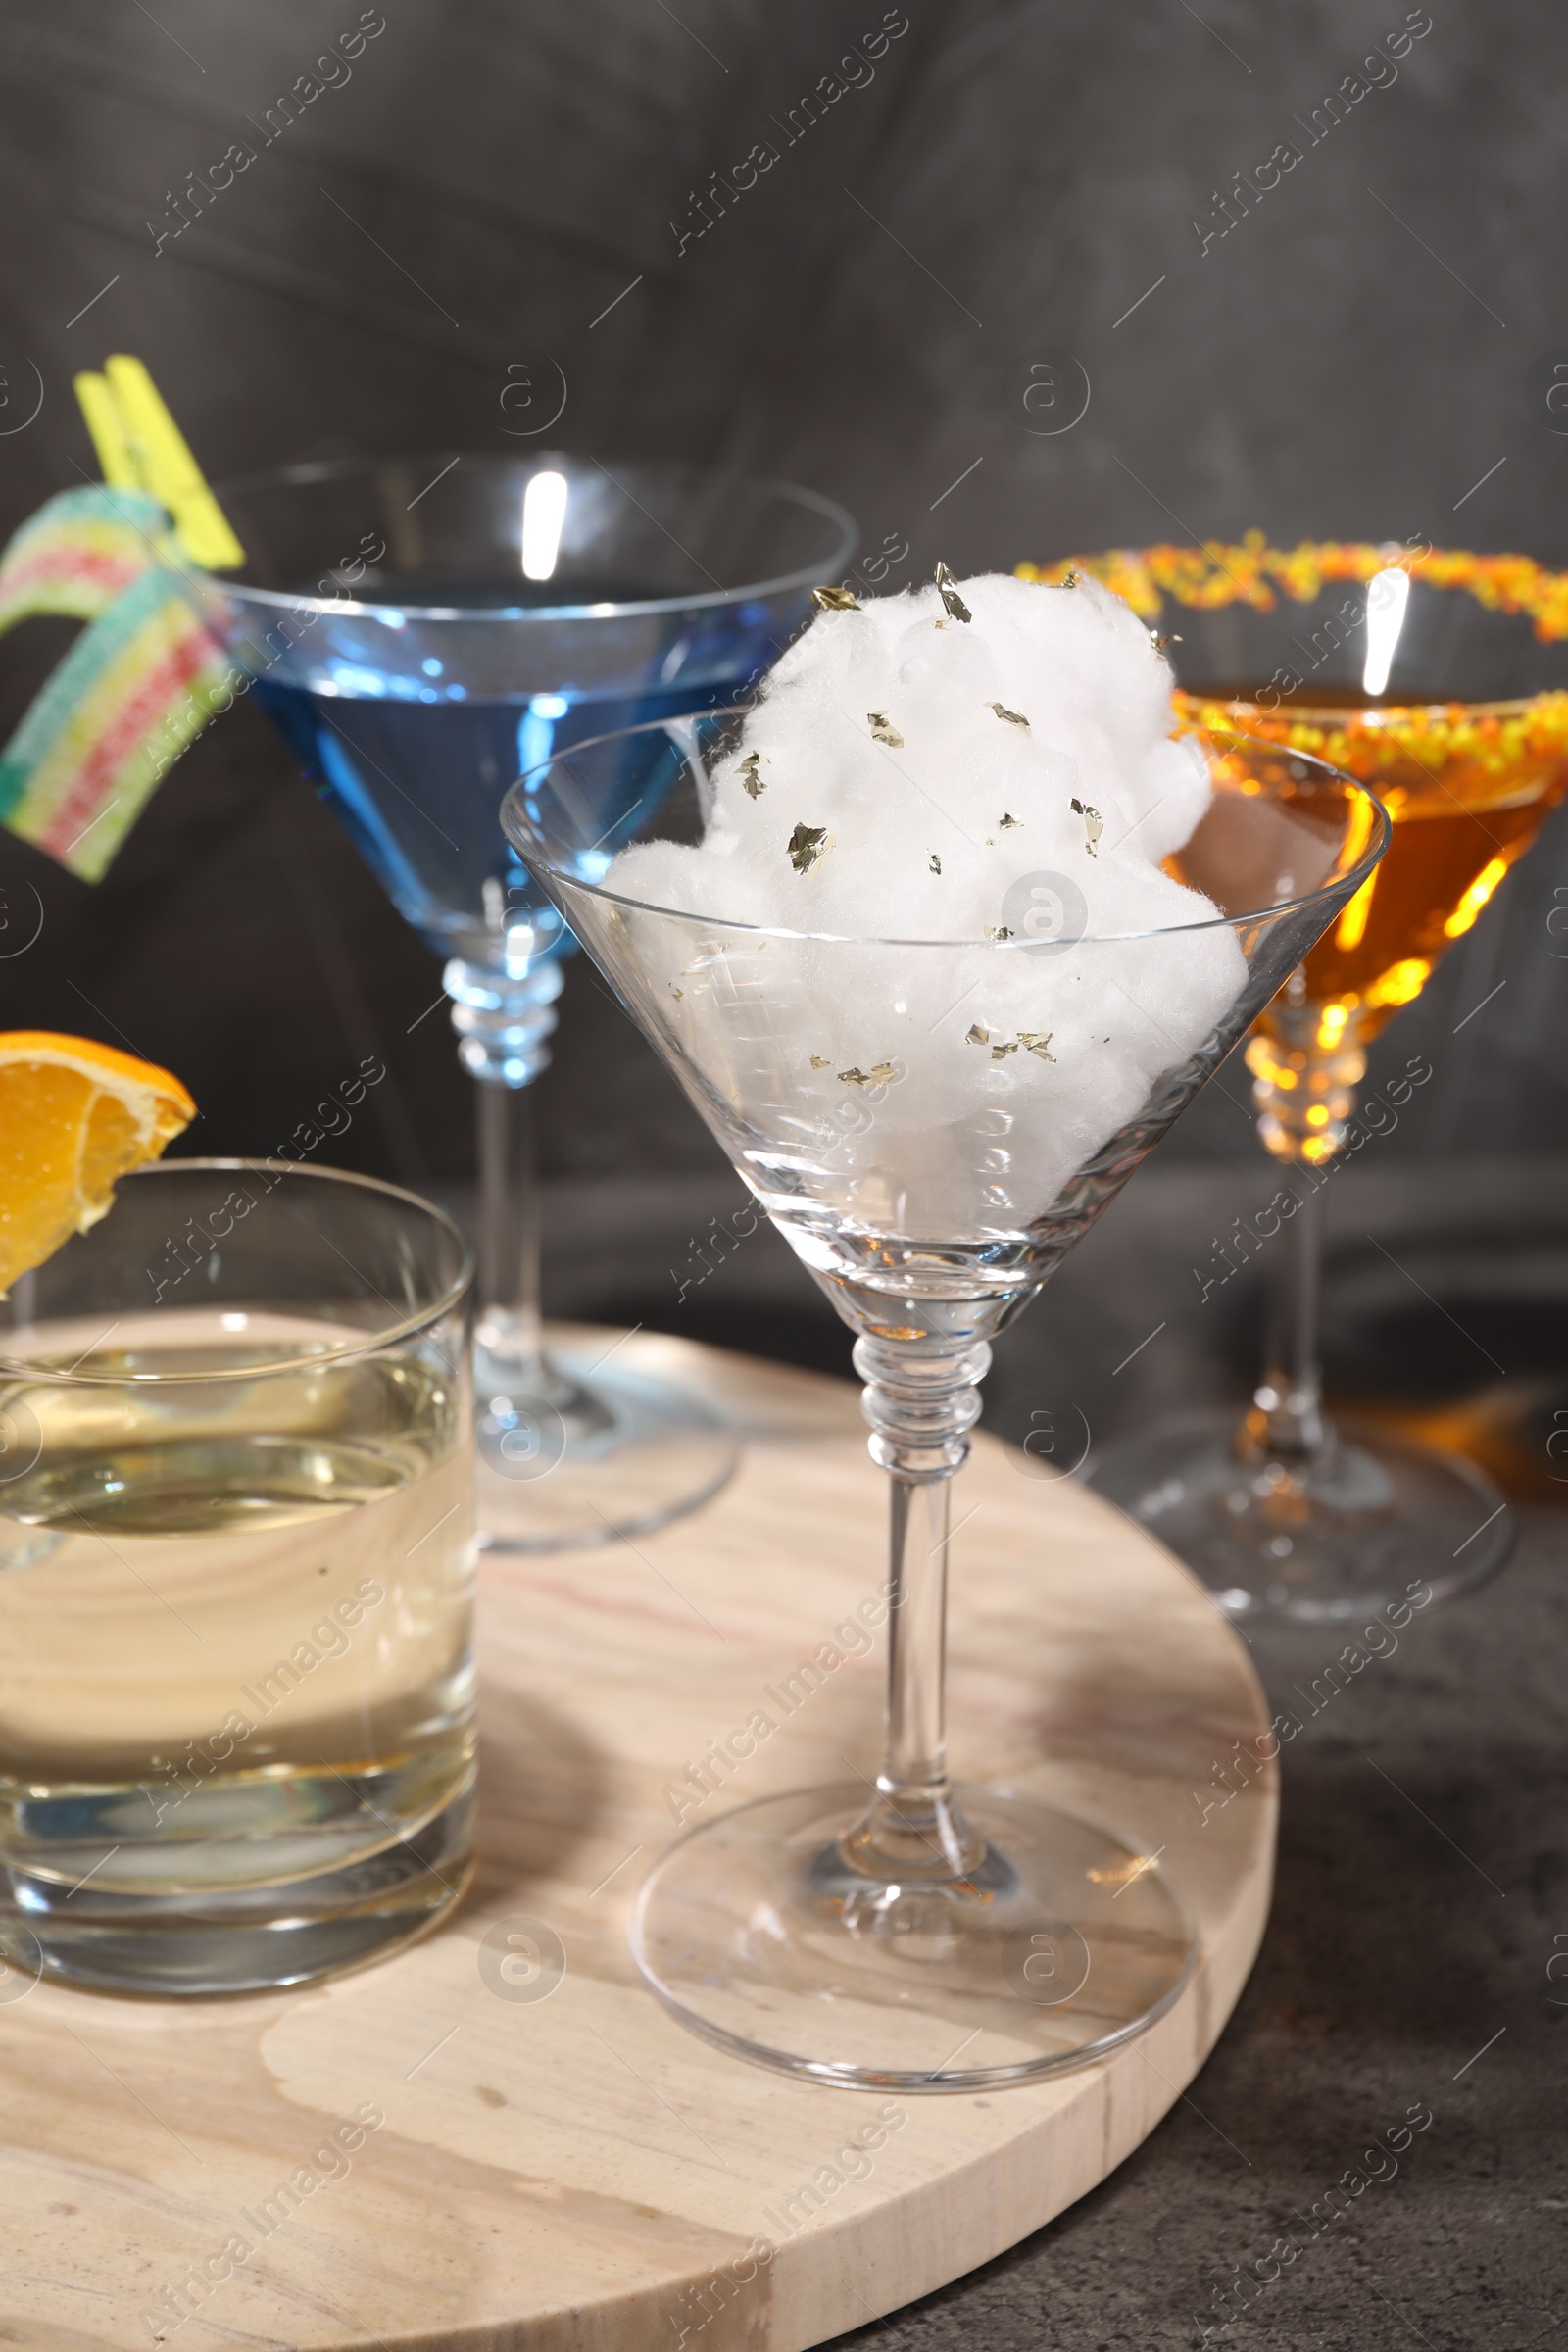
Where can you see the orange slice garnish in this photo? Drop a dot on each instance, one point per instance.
(75, 1116)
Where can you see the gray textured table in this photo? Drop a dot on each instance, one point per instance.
(1422, 1891)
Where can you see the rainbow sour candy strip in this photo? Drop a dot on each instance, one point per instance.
(80, 552)
(142, 680)
(131, 693)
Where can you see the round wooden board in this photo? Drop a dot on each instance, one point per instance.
(577, 2173)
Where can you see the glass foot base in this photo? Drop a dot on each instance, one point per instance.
(232, 1939)
(1060, 1943)
(1349, 1536)
(609, 1450)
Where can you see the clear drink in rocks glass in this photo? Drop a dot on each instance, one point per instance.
(236, 1584)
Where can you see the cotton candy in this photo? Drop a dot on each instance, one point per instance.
(995, 794)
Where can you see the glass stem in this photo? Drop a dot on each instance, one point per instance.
(1289, 1400)
(1306, 1062)
(503, 1025)
(507, 1236)
(922, 1402)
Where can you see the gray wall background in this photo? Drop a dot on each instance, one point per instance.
(1348, 362)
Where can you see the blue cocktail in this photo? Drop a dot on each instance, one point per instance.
(422, 631)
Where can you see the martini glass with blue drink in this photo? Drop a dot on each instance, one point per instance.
(421, 630)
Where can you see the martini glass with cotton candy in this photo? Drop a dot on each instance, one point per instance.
(939, 937)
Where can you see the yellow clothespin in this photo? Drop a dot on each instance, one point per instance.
(140, 447)
(101, 410)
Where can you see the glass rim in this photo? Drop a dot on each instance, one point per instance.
(1376, 842)
(310, 470)
(1255, 553)
(1316, 714)
(35, 1373)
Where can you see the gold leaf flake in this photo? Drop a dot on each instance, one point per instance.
(881, 732)
(882, 1075)
(835, 600)
(1069, 580)
(820, 1061)
(936, 863)
(952, 603)
(1007, 823)
(750, 778)
(807, 843)
(998, 931)
(1000, 1052)
(676, 993)
(1094, 824)
(1159, 643)
(1037, 1041)
(1014, 718)
(978, 1036)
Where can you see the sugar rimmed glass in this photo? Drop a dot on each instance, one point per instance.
(1440, 679)
(236, 1582)
(932, 1939)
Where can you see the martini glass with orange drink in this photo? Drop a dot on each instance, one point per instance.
(1440, 679)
